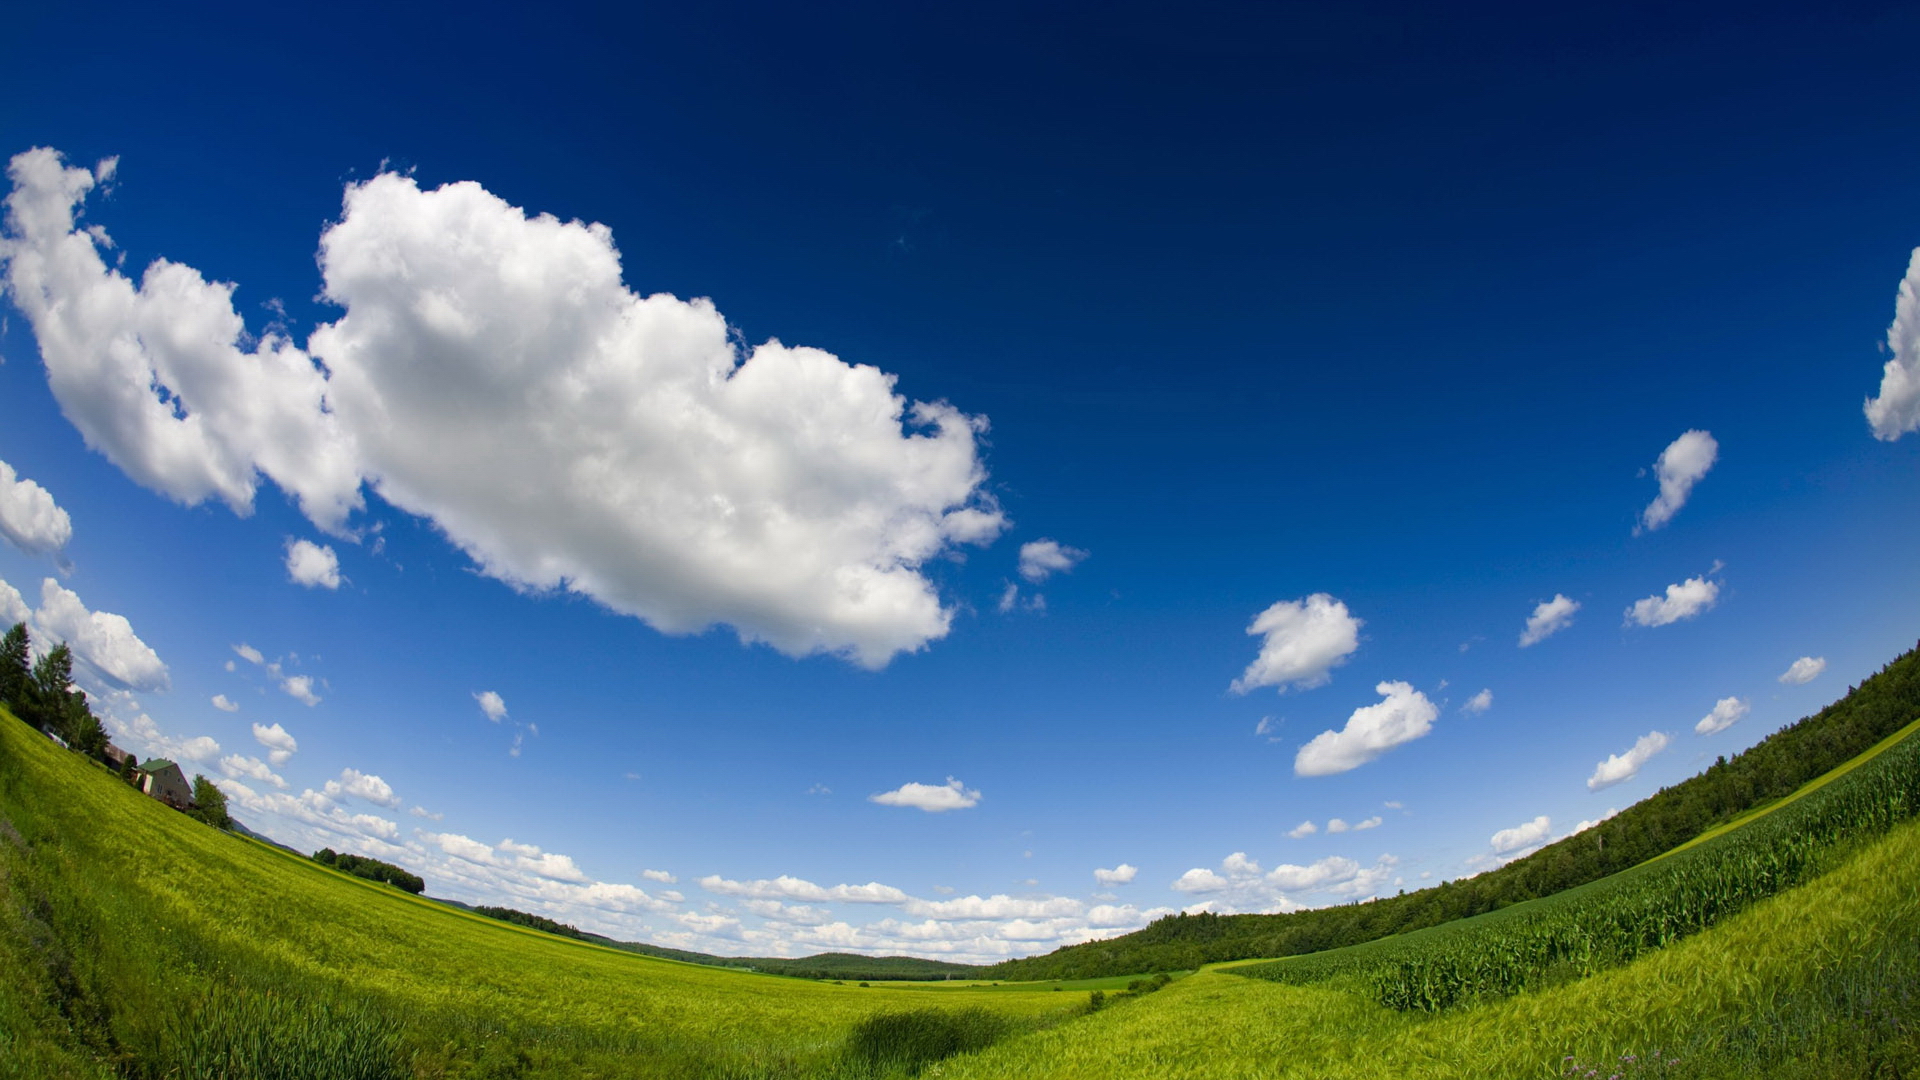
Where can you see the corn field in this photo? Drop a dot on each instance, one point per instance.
(1612, 921)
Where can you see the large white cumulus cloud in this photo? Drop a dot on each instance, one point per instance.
(493, 372)
(1896, 411)
(1402, 715)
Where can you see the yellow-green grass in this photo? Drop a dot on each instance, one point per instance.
(1767, 992)
(1105, 982)
(117, 913)
(1804, 790)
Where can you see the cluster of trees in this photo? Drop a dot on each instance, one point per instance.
(831, 965)
(41, 693)
(528, 919)
(371, 869)
(1773, 768)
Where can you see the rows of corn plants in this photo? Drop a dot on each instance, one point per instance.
(1610, 922)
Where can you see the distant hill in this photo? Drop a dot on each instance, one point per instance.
(831, 965)
(1769, 770)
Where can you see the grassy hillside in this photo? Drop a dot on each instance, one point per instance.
(1820, 982)
(1771, 770)
(134, 940)
(1609, 922)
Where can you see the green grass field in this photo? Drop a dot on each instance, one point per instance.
(123, 916)
(137, 942)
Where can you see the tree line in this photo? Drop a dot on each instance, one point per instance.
(1771, 769)
(41, 692)
(371, 869)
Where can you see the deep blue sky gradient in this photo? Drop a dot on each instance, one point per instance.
(1389, 303)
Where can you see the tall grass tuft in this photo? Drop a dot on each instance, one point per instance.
(247, 1036)
(898, 1043)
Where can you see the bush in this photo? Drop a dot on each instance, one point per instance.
(910, 1041)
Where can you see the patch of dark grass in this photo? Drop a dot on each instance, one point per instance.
(903, 1043)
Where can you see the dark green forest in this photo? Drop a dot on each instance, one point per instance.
(1770, 770)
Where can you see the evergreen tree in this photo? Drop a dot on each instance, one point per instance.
(15, 667)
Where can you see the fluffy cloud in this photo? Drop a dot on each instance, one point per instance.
(994, 907)
(250, 654)
(280, 745)
(251, 768)
(933, 798)
(1478, 703)
(660, 876)
(1726, 713)
(793, 888)
(103, 643)
(1041, 559)
(1241, 886)
(13, 606)
(492, 704)
(1804, 670)
(1691, 597)
(1896, 411)
(224, 703)
(1530, 834)
(29, 518)
(163, 378)
(1302, 642)
(1119, 875)
(353, 782)
(1619, 767)
(493, 373)
(140, 731)
(1549, 618)
(1304, 829)
(300, 688)
(312, 565)
(1681, 465)
(1404, 715)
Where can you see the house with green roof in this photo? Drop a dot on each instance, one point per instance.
(163, 780)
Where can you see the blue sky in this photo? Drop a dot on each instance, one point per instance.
(1375, 329)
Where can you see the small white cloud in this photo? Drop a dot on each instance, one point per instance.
(1619, 767)
(1199, 880)
(103, 643)
(1041, 559)
(252, 768)
(1266, 726)
(819, 789)
(933, 798)
(1804, 670)
(1681, 465)
(1402, 716)
(660, 876)
(1394, 805)
(1304, 829)
(200, 748)
(1525, 835)
(1302, 641)
(1337, 825)
(793, 888)
(250, 654)
(29, 518)
(1896, 411)
(1370, 823)
(1119, 875)
(493, 705)
(312, 565)
(1726, 713)
(361, 785)
(300, 688)
(1585, 825)
(280, 745)
(1549, 618)
(1688, 599)
(423, 812)
(1479, 702)
(224, 703)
